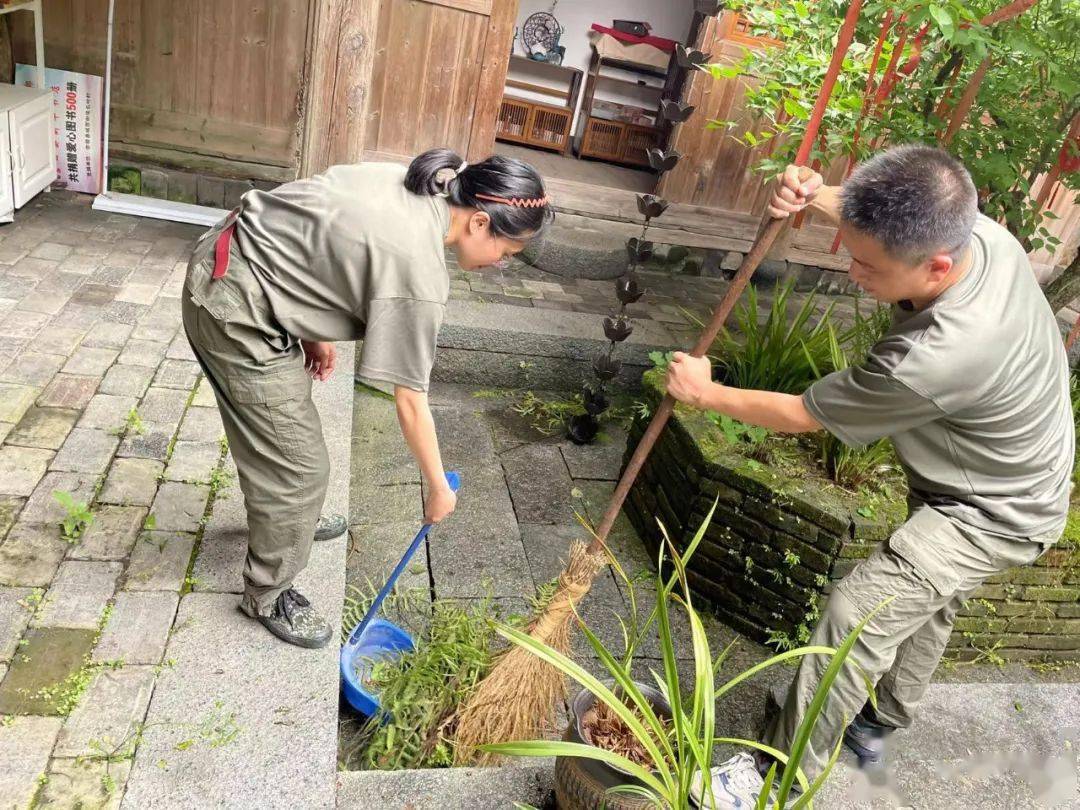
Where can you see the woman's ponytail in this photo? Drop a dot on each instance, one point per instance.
(431, 172)
(473, 185)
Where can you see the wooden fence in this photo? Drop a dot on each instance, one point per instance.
(217, 80)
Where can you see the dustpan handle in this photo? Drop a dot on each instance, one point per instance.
(454, 480)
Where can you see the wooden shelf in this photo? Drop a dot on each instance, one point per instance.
(631, 82)
(635, 67)
(621, 141)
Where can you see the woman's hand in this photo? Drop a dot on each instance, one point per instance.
(795, 190)
(440, 504)
(320, 359)
(689, 378)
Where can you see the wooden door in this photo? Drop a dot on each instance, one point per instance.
(32, 147)
(715, 170)
(437, 76)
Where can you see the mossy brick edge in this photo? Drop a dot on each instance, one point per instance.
(777, 544)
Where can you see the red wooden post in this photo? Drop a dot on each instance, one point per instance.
(886, 24)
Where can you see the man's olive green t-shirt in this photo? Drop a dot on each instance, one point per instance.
(352, 254)
(973, 390)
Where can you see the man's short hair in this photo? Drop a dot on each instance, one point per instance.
(916, 200)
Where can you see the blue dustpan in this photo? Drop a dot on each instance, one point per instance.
(376, 639)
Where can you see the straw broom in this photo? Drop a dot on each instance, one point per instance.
(517, 700)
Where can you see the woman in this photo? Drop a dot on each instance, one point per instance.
(357, 252)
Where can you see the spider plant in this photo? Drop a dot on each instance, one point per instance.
(773, 356)
(851, 467)
(684, 747)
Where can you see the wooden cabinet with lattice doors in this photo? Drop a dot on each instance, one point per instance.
(534, 123)
(618, 141)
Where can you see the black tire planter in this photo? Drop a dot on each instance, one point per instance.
(582, 784)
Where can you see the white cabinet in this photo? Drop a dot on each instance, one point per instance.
(27, 151)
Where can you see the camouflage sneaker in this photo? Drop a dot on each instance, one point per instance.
(294, 620)
(330, 526)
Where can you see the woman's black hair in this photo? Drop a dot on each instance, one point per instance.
(436, 172)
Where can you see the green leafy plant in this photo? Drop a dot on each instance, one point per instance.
(77, 518)
(422, 689)
(679, 750)
(661, 360)
(133, 424)
(852, 467)
(779, 354)
(750, 440)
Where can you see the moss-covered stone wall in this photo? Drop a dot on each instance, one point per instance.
(777, 543)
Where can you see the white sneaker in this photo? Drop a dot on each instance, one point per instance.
(736, 785)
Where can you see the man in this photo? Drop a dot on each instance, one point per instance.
(970, 383)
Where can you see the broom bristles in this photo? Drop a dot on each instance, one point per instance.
(519, 698)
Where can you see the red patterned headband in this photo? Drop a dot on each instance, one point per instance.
(536, 202)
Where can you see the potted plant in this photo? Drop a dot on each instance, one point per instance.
(630, 746)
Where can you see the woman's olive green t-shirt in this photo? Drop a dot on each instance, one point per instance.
(351, 254)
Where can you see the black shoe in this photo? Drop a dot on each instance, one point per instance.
(330, 526)
(294, 620)
(867, 739)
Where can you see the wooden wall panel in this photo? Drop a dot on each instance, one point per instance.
(438, 74)
(218, 78)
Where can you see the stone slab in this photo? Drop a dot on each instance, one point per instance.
(372, 504)
(108, 412)
(131, 481)
(179, 507)
(128, 381)
(138, 628)
(219, 567)
(152, 443)
(181, 374)
(78, 595)
(59, 340)
(30, 555)
(45, 428)
(50, 656)
(146, 353)
(86, 450)
(374, 550)
(15, 612)
(159, 561)
(9, 510)
(84, 784)
(201, 425)
(540, 484)
(90, 362)
(193, 461)
(600, 460)
(109, 713)
(107, 335)
(42, 507)
(25, 745)
(69, 391)
(33, 368)
(283, 700)
(112, 534)
(162, 405)
(21, 468)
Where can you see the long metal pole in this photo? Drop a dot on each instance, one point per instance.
(766, 235)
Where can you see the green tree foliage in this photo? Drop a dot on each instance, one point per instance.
(1013, 133)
